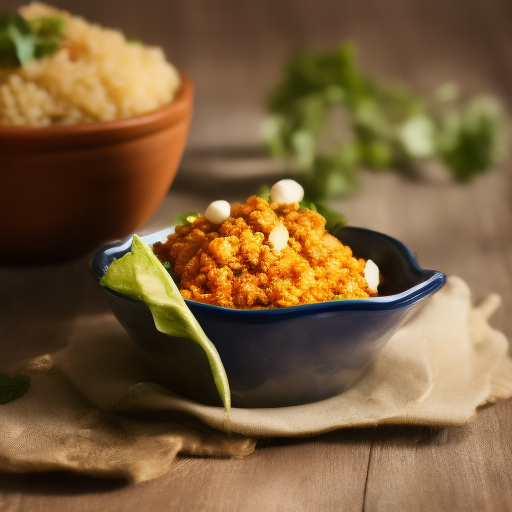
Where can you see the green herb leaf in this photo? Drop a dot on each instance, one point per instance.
(21, 41)
(48, 27)
(308, 205)
(48, 34)
(7, 48)
(264, 193)
(16, 43)
(12, 387)
(327, 119)
(474, 139)
(44, 48)
(334, 220)
(21, 36)
(186, 218)
(140, 274)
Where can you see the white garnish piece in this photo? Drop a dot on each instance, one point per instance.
(218, 211)
(287, 192)
(279, 237)
(371, 274)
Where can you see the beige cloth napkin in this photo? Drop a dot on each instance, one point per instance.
(95, 408)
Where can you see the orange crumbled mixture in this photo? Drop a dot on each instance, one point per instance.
(234, 265)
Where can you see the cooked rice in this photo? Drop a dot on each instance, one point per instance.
(97, 75)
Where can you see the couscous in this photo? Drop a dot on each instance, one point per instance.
(95, 75)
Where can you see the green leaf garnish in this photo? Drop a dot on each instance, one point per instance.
(264, 193)
(333, 219)
(48, 27)
(186, 218)
(21, 36)
(24, 40)
(12, 387)
(327, 119)
(308, 205)
(140, 274)
(16, 45)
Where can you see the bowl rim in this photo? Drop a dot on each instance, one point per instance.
(174, 110)
(434, 280)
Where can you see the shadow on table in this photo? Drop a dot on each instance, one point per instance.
(47, 305)
(231, 173)
(397, 435)
(57, 483)
(69, 484)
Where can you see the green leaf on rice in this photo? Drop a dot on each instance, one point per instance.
(19, 32)
(22, 41)
(186, 218)
(139, 274)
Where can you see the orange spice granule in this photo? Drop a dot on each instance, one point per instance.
(234, 265)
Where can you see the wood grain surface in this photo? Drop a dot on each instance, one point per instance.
(233, 52)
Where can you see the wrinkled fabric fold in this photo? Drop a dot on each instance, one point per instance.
(96, 408)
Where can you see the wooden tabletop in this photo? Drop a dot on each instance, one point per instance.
(233, 52)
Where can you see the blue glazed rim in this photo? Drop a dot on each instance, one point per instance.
(430, 282)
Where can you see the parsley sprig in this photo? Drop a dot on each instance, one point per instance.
(22, 41)
(327, 119)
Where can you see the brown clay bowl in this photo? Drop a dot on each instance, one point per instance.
(64, 190)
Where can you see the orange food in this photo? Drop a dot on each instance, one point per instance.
(236, 266)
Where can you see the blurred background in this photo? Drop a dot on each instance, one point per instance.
(234, 52)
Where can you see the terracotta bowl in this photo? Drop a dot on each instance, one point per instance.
(66, 189)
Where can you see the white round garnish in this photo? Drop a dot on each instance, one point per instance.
(218, 211)
(371, 274)
(279, 237)
(287, 192)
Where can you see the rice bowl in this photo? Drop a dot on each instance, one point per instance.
(96, 75)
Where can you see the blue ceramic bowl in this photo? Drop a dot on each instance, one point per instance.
(281, 357)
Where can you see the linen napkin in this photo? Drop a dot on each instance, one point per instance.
(96, 408)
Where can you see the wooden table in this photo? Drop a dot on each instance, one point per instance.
(233, 51)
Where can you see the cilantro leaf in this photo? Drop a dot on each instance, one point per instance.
(22, 41)
(186, 218)
(11, 35)
(264, 193)
(333, 219)
(48, 27)
(327, 119)
(12, 387)
(21, 36)
(473, 139)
